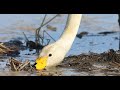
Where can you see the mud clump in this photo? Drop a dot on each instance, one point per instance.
(11, 48)
(33, 45)
(80, 35)
(51, 28)
(107, 32)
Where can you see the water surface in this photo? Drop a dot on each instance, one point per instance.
(13, 25)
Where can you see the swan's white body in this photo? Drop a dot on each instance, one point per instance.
(59, 49)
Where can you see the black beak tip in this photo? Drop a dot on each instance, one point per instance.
(34, 65)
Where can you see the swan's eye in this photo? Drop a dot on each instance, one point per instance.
(50, 55)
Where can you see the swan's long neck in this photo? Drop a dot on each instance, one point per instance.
(71, 30)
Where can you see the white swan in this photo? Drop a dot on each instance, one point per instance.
(54, 53)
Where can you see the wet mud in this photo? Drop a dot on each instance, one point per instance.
(107, 63)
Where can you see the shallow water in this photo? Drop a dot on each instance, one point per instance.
(13, 25)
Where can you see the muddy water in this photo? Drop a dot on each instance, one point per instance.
(12, 26)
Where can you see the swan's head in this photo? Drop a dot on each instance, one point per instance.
(50, 55)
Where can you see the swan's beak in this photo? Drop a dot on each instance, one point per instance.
(41, 63)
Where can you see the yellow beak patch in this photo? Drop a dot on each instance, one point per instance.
(41, 63)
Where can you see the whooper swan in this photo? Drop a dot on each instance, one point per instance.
(54, 53)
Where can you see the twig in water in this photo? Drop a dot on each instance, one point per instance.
(38, 29)
(23, 65)
(26, 39)
(4, 48)
(14, 63)
(42, 23)
(49, 21)
(48, 41)
(49, 35)
(13, 67)
(2, 51)
(17, 65)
